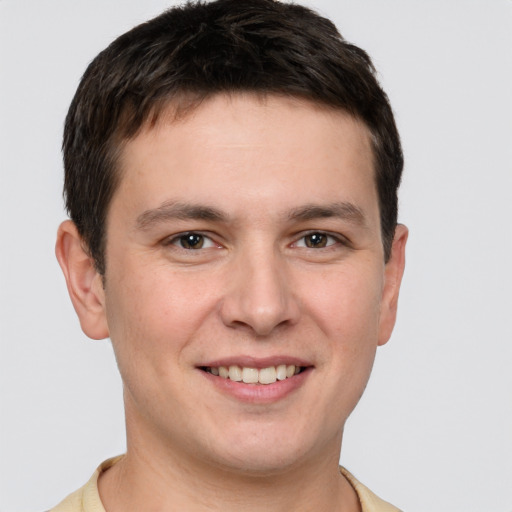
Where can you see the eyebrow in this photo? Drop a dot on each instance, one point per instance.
(341, 210)
(171, 210)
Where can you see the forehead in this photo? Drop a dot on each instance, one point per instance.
(239, 151)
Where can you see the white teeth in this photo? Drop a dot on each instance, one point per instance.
(268, 375)
(250, 375)
(281, 372)
(235, 373)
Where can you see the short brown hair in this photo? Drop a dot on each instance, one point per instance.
(192, 52)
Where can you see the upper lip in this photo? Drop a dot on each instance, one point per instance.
(246, 361)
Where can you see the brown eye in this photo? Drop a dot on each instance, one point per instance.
(316, 240)
(191, 241)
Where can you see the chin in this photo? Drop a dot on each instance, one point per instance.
(260, 464)
(260, 455)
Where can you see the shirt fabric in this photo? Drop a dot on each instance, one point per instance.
(87, 499)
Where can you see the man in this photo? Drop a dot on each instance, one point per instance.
(231, 178)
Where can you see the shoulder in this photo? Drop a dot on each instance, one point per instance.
(73, 503)
(370, 502)
(87, 498)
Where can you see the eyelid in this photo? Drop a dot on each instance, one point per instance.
(173, 240)
(337, 237)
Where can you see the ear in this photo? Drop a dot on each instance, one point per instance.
(84, 284)
(393, 273)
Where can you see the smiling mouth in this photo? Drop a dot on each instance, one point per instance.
(249, 375)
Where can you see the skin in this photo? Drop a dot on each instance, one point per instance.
(255, 289)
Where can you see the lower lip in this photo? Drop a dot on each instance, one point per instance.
(259, 393)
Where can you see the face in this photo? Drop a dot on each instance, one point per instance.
(244, 242)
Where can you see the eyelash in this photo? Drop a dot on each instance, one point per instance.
(332, 240)
(176, 239)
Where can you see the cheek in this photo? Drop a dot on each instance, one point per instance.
(347, 310)
(345, 304)
(152, 312)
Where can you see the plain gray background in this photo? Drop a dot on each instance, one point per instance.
(434, 430)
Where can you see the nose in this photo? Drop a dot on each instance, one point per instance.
(259, 294)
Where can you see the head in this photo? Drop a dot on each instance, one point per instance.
(189, 54)
(231, 173)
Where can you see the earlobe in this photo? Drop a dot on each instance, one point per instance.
(84, 284)
(393, 273)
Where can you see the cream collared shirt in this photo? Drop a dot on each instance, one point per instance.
(87, 499)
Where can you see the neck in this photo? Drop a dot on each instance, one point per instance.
(155, 475)
(135, 484)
